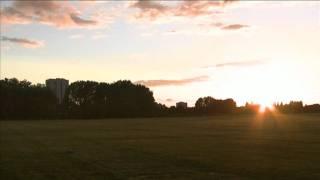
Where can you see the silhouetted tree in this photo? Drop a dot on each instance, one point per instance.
(89, 99)
(291, 107)
(127, 99)
(22, 100)
(211, 105)
(81, 98)
(250, 108)
(312, 108)
(120, 99)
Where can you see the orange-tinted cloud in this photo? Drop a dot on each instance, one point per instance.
(23, 42)
(55, 13)
(196, 8)
(225, 26)
(234, 26)
(150, 9)
(169, 100)
(153, 9)
(148, 4)
(82, 22)
(180, 82)
(226, 2)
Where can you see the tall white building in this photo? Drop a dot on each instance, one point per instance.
(58, 86)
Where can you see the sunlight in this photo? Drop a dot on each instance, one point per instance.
(264, 84)
(266, 103)
(265, 107)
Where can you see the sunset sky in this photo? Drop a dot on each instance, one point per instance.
(262, 52)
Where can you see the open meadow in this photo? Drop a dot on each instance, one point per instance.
(216, 147)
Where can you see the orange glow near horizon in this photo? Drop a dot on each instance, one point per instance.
(265, 107)
(267, 84)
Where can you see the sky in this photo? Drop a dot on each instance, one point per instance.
(261, 52)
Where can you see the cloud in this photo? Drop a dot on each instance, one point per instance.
(149, 9)
(224, 26)
(148, 5)
(152, 9)
(82, 22)
(197, 8)
(239, 64)
(180, 82)
(23, 42)
(234, 26)
(55, 13)
(169, 100)
(205, 13)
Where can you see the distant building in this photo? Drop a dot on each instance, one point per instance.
(58, 87)
(182, 105)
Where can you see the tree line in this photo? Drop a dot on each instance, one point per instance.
(90, 99)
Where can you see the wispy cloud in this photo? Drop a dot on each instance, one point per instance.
(27, 43)
(238, 64)
(179, 82)
(234, 26)
(56, 13)
(198, 8)
(153, 9)
(81, 21)
(169, 100)
(208, 14)
(149, 9)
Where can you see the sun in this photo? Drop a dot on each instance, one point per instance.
(266, 107)
(273, 81)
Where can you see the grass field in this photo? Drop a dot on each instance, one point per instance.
(218, 147)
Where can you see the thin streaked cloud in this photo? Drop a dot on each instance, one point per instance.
(234, 26)
(171, 82)
(237, 64)
(27, 43)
